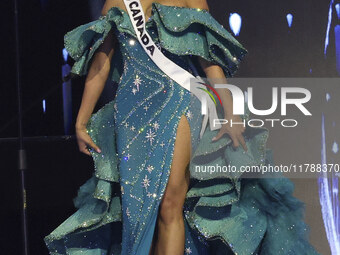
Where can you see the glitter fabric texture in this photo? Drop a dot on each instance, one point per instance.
(117, 207)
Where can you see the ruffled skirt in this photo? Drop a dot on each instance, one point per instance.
(223, 213)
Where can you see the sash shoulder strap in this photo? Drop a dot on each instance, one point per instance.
(175, 72)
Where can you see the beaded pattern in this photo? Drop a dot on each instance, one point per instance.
(193, 32)
(118, 205)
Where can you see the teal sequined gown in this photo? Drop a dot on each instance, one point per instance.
(117, 207)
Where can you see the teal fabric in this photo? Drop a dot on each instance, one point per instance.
(224, 213)
(193, 32)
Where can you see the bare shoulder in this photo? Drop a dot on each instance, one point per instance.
(201, 4)
(109, 4)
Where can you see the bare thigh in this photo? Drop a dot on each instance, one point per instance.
(171, 206)
(178, 183)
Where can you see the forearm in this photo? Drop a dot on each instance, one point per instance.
(94, 86)
(215, 74)
(95, 80)
(226, 98)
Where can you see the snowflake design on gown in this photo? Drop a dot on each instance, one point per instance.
(137, 82)
(146, 182)
(150, 136)
(150, 168)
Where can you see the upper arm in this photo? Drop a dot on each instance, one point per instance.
(108, 44)
(201, 4)
(103, 55)
(211, 70)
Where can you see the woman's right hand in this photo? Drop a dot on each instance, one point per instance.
(84, 140)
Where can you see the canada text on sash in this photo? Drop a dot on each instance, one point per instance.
(137, 13)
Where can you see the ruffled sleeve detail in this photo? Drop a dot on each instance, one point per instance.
(82, 42)
(191, 31)
(181, 31)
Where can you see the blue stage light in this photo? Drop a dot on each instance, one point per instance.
(44, 105)
(290, 19)
(328, 26)
(335, 147)
(65, 54)
(337, 47)
(337, 8)
(235, 23)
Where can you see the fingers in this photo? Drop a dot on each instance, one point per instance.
(243, 142)
(237, 140)
(85, 144)
(83, 147)
(218, 136)
(94, 146)
(86, 151)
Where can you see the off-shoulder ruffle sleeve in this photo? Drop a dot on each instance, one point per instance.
(191, 31)
(181, 31)
(82, 42)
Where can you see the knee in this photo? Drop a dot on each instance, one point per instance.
(171, 206)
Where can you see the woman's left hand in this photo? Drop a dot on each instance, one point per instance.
(235, 132)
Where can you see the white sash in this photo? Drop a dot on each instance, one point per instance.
(175, 72)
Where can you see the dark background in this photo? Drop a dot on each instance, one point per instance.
(55, 167)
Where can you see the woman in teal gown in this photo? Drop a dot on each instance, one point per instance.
(117, 207)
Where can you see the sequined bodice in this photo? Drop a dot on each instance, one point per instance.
(134, 56)
(132, 50)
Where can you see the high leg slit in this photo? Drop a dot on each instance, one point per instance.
(136, 133)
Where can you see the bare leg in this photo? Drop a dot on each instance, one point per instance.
(170, 238)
